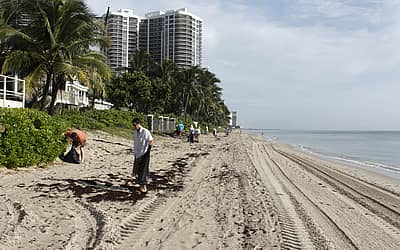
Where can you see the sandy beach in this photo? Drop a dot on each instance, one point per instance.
(235, 192)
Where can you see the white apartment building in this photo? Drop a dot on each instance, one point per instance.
(233, 122)
(123, 30)
(174, 35)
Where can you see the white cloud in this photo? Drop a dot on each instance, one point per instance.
(331, 58)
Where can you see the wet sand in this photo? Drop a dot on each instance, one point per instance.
(237, 192)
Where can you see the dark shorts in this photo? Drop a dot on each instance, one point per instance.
(141, 168)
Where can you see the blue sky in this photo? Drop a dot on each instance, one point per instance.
(299, 64)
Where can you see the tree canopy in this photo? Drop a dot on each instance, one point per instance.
(49, 41)
(165, 88)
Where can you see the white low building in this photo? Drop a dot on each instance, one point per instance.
(12, 92)
(102, 105)
(74, 94)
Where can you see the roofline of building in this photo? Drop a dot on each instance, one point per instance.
(125, 13)
(158, 14)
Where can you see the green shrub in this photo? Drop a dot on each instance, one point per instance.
(29, 137)
(100, 119)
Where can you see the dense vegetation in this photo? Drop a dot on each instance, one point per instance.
(116, 122)
(150, 87)
(29, 137)
(48, 42)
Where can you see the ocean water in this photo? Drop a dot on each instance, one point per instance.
(378, 151)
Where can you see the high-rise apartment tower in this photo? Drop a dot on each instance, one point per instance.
(123, 30)
(174, 35)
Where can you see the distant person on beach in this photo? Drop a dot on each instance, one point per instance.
(214, 132)
(191, 134)
(78, 142)
(197, 133)
(180, 128)
(206, 131)
(143, 142)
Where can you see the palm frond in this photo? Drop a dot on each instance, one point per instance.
(67, 69)
(102, 41)
(92, 62)
(19, 60)
(46, 23)
(32, 80)
(7, 31)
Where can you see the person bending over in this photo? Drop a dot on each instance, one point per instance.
(78, 142)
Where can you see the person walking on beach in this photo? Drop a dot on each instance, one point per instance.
(214, 132)
(143, 142)
(191, 134)
(180, 128)
(197, 133)
(78, 142)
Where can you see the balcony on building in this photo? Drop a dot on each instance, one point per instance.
(102, 105)
(74, 94)
(12, 92)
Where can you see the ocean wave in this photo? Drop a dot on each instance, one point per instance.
(352, 160)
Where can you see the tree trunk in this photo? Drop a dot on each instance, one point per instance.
(54, 91)
(45, 91)
(93, 98)
(198, 111)
(186, 103)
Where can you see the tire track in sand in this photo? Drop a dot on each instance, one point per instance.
(299, 199)
(133, 231)
(379, 201)
(293, 233)
(379, 227)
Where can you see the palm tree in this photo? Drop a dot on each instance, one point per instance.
(97, 83)
(10, 14)
(166, 71)
(210, 91)
(204, 100)
(188, 87)
(56, 45)
(5, 16)
(141, 61)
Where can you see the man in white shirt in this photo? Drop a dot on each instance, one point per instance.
(142, 145)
